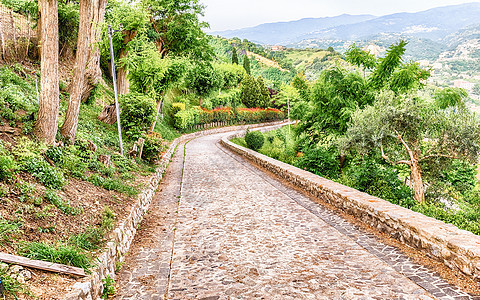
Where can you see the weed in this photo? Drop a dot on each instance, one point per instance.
(48, 175)
(62, 254)
(108, 287)
(49, 229)
(45, 213)
(90, 239)
(9, 230)
(10, 285)
(108, 218)
(56, 200)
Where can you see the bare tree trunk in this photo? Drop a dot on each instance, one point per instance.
(416, 174)
(47, 123)
(69, 128)
(93, 73)
(122, 82)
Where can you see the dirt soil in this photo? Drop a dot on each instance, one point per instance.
(47, 223)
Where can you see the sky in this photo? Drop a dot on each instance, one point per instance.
(227, 14)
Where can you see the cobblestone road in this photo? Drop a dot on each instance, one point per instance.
(240, 234)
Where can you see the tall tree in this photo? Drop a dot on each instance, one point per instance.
(246, 64)
(93, 73)
(234, 56)
(69, 127)
(46, 125)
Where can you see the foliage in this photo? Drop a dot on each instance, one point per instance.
(202, 78)
(232, 75)
(9, 230)
(8, 167)
(234, 56)
(89, 240)
(153, 147)
(176, 28)
(108, 287)
(186, 118)
(40, 169)
(113, 184)
(138, 113)
(450, 97)
(246, 64)
(360, 58)
(254, 140)
(461, 175)
(372, 176)
(387, 65)
(62, 254)
(254, 92)
(52, 197)
(16, 94)
(335, 97)
(320, 160)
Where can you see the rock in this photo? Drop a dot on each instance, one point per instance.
(3, 267)
(105, 159)
(24, 275)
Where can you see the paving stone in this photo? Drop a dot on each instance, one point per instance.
(240, 234)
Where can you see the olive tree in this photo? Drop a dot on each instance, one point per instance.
(412, 131)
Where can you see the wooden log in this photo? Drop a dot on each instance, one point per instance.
(40, 264)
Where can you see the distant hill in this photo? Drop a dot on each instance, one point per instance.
(429, 32)
(289, 32)
(434, 24)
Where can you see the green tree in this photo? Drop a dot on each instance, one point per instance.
(387, 65)
(411, 131)
(250, 91)
(264, 94)
(450, 97)
(246, 64)
(177, 29)
(234, 56)
(360, 58)
(334, 97)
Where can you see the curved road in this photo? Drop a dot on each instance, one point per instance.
(221, 229)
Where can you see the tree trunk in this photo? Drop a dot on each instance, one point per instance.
(93, 72)
(47, 122)
(122, 81)
(416, 176)
(69, 128)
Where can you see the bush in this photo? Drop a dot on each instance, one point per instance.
(48, 175)
(321, 161)
(153, 147)
(254, 140)
(8, 167)
(186, 118)
(138, 113)
(175, 108)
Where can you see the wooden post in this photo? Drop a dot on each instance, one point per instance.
(141, 142)
(3, 39)
(14, 33)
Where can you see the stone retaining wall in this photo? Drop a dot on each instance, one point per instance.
(458, 249)
(91, 287)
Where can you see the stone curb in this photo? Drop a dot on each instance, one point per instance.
(115, 250)
(458, 249)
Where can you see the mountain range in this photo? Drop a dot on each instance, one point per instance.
(432, 28)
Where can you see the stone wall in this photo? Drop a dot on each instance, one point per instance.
(458, 249)
(91, 287)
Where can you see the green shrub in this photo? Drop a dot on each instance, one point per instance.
(254, 140)
(321, 161)
(186, 118)
(8, 167)
(48, 175)
(462, 176)
(108, 287)
(62, 254)
(138, 113)
(175, 108)
(153, 147)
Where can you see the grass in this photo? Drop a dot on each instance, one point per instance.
(62, 254)
(52, 197)
(9, 230)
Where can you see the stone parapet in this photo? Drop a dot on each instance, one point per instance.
(456, 248)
